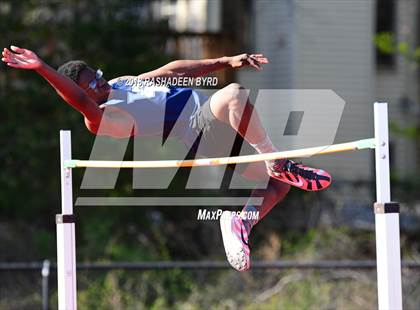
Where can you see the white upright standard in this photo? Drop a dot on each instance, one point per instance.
(66, 246)
(387, 227)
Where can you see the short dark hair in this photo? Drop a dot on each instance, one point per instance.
(72, 69)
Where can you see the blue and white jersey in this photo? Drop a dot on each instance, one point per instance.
(156, 110)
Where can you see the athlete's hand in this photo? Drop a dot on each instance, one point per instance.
(245, 60)
(21, 58)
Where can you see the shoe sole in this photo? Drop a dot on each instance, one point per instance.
(235, 253)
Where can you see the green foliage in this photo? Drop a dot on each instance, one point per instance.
(417, 54)
(109, 35)
(116, 36)
(411, 132)
(133, 290)
(387, 44)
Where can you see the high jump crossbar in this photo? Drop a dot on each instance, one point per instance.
(307, 152)
(386, 212)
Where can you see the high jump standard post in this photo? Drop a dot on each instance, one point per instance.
(387, 226)
(386, 212)
(66, 243)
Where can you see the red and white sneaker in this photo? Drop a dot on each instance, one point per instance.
(235, 240)
(309, 179)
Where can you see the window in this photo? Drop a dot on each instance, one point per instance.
(385, 22)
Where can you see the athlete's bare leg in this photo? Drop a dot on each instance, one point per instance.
(275, 192)
(231, 105)
(235, 230)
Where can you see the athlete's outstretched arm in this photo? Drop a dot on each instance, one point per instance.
(196, 68)
(75, 96)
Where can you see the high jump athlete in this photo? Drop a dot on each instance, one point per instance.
(86, 90)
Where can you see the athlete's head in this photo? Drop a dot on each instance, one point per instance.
(90, 80)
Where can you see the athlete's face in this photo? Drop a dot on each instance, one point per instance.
(94, 85)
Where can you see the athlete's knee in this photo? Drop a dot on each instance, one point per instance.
(234, 87)
(236, 95)
(235, 90)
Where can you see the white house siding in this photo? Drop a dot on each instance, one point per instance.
(334, 48)
(392, 84)
(273, 22)
(322, 44)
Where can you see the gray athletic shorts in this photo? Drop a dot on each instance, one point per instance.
(217, 138)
